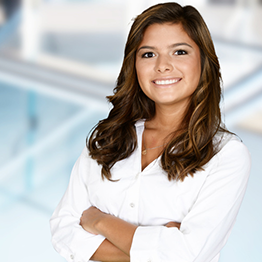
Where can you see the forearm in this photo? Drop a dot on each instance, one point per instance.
(119, 232)
(107, 252)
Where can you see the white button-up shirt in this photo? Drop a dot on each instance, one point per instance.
(206, 205)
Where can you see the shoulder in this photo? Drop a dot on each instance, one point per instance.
(84, 156)
(228, 143)
(85, 166)
(232, 154)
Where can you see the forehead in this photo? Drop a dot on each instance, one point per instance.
(165, 34)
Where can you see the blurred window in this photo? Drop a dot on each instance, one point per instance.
(10, 6)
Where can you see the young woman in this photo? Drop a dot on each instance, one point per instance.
(161, 179)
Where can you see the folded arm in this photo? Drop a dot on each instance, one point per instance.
(119, 234)
(107, 252)
(204, 230)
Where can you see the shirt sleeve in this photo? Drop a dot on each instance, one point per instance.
(206, 228)
(68, 237)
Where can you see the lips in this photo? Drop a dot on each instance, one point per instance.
(166, 81)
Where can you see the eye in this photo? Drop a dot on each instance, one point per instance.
(148, 55)
(180, 52)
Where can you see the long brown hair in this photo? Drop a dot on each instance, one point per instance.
(114, 138)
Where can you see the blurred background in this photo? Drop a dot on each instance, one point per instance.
(58, 61)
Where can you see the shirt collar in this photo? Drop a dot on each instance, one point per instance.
(140, 123)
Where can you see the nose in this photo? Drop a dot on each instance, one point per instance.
(164, 64)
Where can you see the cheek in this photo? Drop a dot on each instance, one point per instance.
(137, 72)
(194, 71)
(197, 74)
(198, 67)
(141, 74)
(141, 78)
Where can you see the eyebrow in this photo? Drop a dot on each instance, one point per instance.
(171, 46)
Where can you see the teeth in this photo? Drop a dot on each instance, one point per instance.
(166, 82)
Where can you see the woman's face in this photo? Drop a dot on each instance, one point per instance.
(168, 65)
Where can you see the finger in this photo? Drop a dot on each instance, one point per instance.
(173, 224)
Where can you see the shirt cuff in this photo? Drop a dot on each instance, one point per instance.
(82, 251)
(145, 244)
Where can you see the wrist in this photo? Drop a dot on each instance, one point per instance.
(100, 223)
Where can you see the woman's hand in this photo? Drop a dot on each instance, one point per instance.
(90, 219)
(107, 251)
(115, 230)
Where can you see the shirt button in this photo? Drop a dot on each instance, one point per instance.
(72, 256)
(132, 205)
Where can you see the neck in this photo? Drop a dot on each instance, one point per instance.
(166, 119)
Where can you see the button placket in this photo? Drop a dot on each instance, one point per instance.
(133, 197)
(132, 205)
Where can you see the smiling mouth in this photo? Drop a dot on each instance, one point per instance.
(166, 82)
